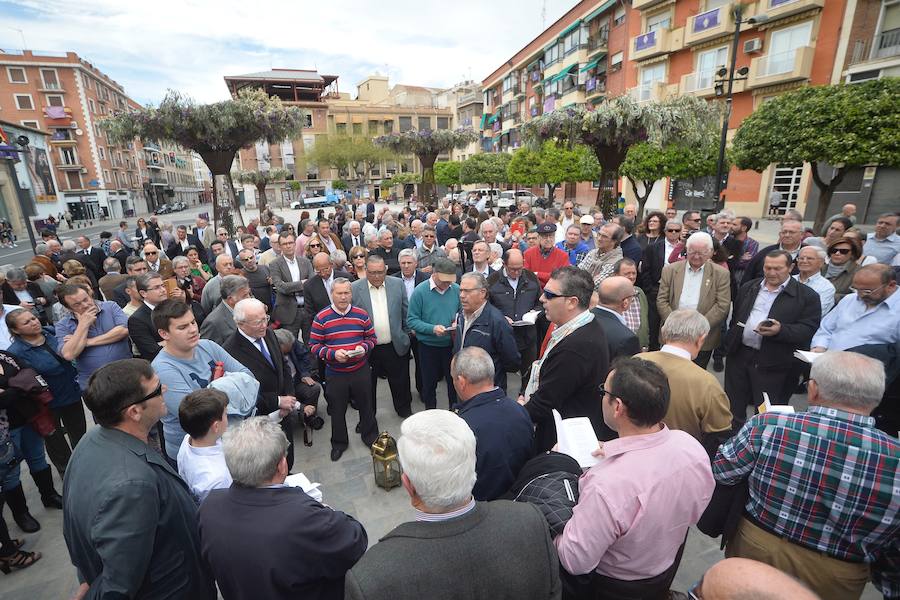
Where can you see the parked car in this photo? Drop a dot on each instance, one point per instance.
(507, 199)
(163, 209)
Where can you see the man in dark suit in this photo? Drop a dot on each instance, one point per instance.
(772, 317)
(94, 256)
(353, 237)
(653, 259)
(563, 379)
(183, 241)
(259, 521)
(318, 289)
(481, 260)
(219, 325)
(615, 294)
(411, 562)
(143, 334)
(790, 239)
(388, 251)
(120, 253)
(229, 246)
(289, 275)
(254, 346)
(385, 301)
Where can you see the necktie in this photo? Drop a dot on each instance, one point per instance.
(265, 351)
(355, 241)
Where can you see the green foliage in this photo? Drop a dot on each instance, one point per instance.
(341, 152)
(294, 185)
(845, 126)
(260, 178)
(552, 165)
(427, 142)
(339, 184)
(447, 172)
(403, 179)
(487, 167)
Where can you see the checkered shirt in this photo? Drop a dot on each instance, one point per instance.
(632, 316)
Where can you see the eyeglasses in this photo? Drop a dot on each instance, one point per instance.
(150, 253)
(156, 287)
(315, 245)
(551, 295)
(154, 394)
(868, 292)
(355, 256)
(673, 231)
(839, 251)
(694, 592)
(258, 322)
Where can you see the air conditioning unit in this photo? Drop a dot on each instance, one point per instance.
(753, 46)
(73, 125)
(83, 170)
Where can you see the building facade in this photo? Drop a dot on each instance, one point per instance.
(34, 175)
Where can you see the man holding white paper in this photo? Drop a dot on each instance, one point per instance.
(635, 506)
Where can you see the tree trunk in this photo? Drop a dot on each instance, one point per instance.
(219, 163)
(826, 191)
(427, 163)
(642, 200)
(263, 201)
(551, 192)
(233, 219)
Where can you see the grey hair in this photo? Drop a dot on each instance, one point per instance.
(478, 278)
(69, 245)
(617, 232)
(820, 252)
(339, 258)
(339, 280)
(473, 363)
(352, 223)
(179, 260)
(240, 309)
(253, 449)
(283, 336)
(437, 453)
(486, 222)
(17, 274)
(41, 248)
(684, 325)
(723, 215)
(406, 252)
(849, 379)
(496, 248)
(698, 238)
(110, 265)
(231, 284)
(220, 259)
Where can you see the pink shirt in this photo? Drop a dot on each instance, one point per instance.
(635, 506)
(300, 245)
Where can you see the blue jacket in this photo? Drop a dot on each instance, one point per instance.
(575, 254)
(494, 334)
(503, 434)
(60, 374)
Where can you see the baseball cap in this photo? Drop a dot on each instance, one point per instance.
(544, 228)
(587, 220)
(445, 269)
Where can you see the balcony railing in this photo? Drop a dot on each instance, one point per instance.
(657, 42)
(152, 146)
(644, 4)
(884, 45)
(63, 137)
(778, 9)
(598, 41)
(709, 24)
(783, 67)
(595, 85)
(648, 92)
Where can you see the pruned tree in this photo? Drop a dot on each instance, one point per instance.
(261, 180)
(552, 165)
(618, 123)
(486, 167)
(646, 163)
(427, 145)
(447, 173)
(216, 131)
(355, 156)
(843, 126)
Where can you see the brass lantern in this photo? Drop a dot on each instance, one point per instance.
(386, 462)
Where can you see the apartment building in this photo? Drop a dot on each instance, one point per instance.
(578, 61)
(466, 105)
(37, 186)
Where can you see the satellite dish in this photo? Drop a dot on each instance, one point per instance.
(79, 132)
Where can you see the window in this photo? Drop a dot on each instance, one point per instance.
(552, 54)
(615, 61)
(661, 20)
(91, 106)
(16, 75)
(443, 123)
(708, 62)
(102, 152)
(68, 156)
(357, 128)
(32, 124)
(388, 127)
(73, 178)
(51, 81)
(54, 100)
(24, 102)
(309, 122)
(405, 124)
(619, 16)
(649, 76)
(424, 123)
(106, 175)
(711, 4)
(373, 127)
(784, 45)
(340, 128)
(572, 40)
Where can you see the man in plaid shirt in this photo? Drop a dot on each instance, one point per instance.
(824, 487)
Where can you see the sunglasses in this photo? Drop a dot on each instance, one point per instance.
(151, 253)
(839, 251)
(355, 256)
(154, 394)
(551, 295)
(868, 292)
(315, 245)
(673, 231)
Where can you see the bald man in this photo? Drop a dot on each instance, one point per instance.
(740, 578)
(614, 296)
(317, 290)
(210, 298)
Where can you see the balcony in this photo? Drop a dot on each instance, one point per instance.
(884, 45)
(644, 4)
(151, 146)
(778, 9)
(598, 42)
(70, 164)
(703, 85)
(784, 67)
(709, 25)
(57, 115)
(467, 99)
(52, 86)
(155, 164)
(159, 181)
(63, 137)
(595, 86)
(649, 92)
(657, 42)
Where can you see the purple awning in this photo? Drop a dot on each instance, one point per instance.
(55, 112)
(549, 104)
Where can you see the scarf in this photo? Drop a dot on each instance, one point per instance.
(556, 337)
(833, 271)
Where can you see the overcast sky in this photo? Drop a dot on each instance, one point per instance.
(190, 45)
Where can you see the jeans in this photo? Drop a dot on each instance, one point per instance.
(30, 446)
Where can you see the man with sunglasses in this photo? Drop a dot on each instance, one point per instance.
(654, 258)
(124, 541)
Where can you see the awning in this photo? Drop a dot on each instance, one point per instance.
(590, 65)
(597, 12)
(564, 72)
(568, 29)
(484, 119)
(493, 118)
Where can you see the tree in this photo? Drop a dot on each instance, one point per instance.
(447, 173)
(618, 123)
(426, 145)
(355, 156)
(486, 167)
(401, 179)
(552, 165)
(843, 126)
(339, 184)
(261, 179)
(646, 163)
(215, 131)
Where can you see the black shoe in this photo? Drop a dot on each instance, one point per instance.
(15, 499)
(52, 501)
(718, 365)
(336, 454)
(26, 522)
(44, 481)
(357, 428)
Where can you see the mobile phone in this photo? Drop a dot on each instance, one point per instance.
(766, 323)
(352, 353)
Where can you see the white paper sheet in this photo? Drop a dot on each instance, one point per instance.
(807, 356)
(301, 481)
(575, 436)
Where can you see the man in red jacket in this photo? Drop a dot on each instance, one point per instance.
(545, 258)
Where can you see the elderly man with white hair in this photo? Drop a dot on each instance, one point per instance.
(810, 261)
(823, 484)
(259, 522)
(697, 403)
(353, 237)
(697, 284)
(456, 547)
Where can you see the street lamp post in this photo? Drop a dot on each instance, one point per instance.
(725, 85)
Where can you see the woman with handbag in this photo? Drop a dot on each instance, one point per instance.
(11, 554)
(27, 399)
(36, 346)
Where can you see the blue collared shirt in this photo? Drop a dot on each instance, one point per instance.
(852, 323)
(884, 250)
(92, 358)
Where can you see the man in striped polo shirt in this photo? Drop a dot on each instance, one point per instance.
(342, 336)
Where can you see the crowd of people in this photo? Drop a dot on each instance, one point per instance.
(200, 354)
